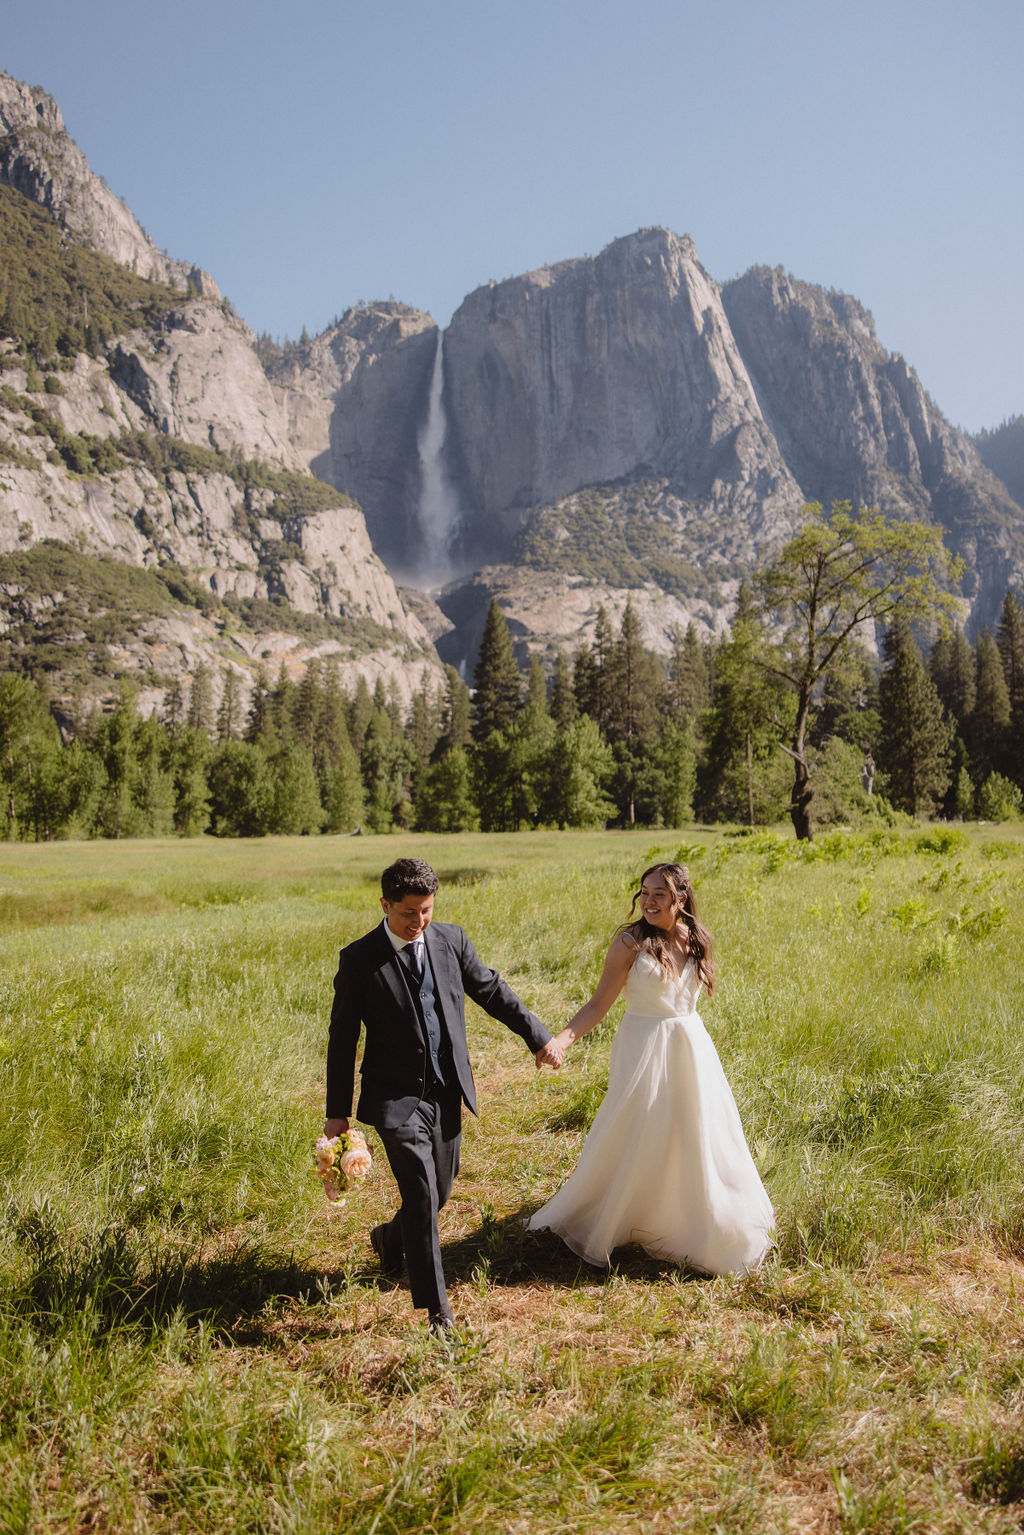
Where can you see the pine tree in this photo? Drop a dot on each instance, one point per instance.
(445, 801)
(591, 673)
(988, 729)
(342, 790)
(497, 684)
(257, 719)
(423, 725)
(387, 764)
(1010, 639)
(189, 757)
(360, 714)
(173, 712)
(563, 702)
(281, 709)
(743, 775)
(914, 750)
(536, 701)
(295, 800)
(200, 700)
(952, 668)
(241, 790)
(579, 764)
(307, 708)
(333, 724)
(688, 687)
(229, 711)
(634, 683)
(676, 759)
(44, 786)
(153, 786)
(456, 714)
(530, 740)
(848, 708)
(113, 740)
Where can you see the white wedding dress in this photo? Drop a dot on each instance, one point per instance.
(665, 1163)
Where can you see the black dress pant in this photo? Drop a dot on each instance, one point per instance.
(424, 1157)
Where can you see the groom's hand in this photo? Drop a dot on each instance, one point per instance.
(549, 1055)
(333, 1127)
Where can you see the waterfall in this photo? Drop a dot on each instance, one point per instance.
(439, 507)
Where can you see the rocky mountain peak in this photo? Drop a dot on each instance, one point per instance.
(27, 106)
(39, 158)
(612, 367)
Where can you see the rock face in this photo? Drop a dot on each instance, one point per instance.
(617, 367)
(855, 424)
(546, 613)
(354, 401)
(40, 159)
(191, 380)
(204, 520)
(708, 414)
(1002, 451)
(197, 378)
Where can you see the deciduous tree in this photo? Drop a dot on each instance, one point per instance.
(844, 571)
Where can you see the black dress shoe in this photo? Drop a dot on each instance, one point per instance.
(441, 1324)
(388, 1266)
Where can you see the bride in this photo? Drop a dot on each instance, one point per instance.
(665, 1163)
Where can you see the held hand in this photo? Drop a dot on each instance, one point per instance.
(333, 1127)
(550, 1054)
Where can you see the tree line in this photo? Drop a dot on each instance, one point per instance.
(789, 708)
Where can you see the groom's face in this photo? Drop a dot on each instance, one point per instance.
(410, 916)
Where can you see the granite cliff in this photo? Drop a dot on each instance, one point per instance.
(621, 426)
(167, 449)
(39, 158)
(855, 423)
(353, 401)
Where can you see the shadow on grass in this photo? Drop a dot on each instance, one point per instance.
(121, 1279)
(239, 1291)
(509, 1254)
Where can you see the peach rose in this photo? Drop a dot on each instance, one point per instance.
(356, 1162)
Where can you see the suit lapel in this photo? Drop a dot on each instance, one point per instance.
(442, 964)
(393, 977)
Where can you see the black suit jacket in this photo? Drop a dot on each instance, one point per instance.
(373, 989)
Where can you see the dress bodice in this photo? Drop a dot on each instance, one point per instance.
(650, 993)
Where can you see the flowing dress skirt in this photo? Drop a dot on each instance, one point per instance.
(665, 1164)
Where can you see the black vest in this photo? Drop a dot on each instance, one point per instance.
(426, 1005)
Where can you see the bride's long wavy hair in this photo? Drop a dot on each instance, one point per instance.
(654, 941)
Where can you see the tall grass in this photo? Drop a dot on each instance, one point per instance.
(187, 1342)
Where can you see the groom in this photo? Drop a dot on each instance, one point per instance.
(406, 983)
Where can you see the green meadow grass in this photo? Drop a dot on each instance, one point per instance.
(187, 1342)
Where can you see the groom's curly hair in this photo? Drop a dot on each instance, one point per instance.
(408, 876)
(652, 939)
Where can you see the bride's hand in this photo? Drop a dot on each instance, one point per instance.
(550, 1054)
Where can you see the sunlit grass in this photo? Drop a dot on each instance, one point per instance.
(187, 1343)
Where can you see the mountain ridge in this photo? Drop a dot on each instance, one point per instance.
(614, 426)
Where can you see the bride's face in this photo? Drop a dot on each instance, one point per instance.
(657, 903)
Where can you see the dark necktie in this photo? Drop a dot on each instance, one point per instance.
(415, 953)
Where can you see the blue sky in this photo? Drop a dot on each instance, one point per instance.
(311, 153)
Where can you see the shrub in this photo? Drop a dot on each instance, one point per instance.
(999, 799)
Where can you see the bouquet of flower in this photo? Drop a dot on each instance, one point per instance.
(341, 1160)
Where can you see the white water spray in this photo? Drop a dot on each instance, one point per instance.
(439, 505)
